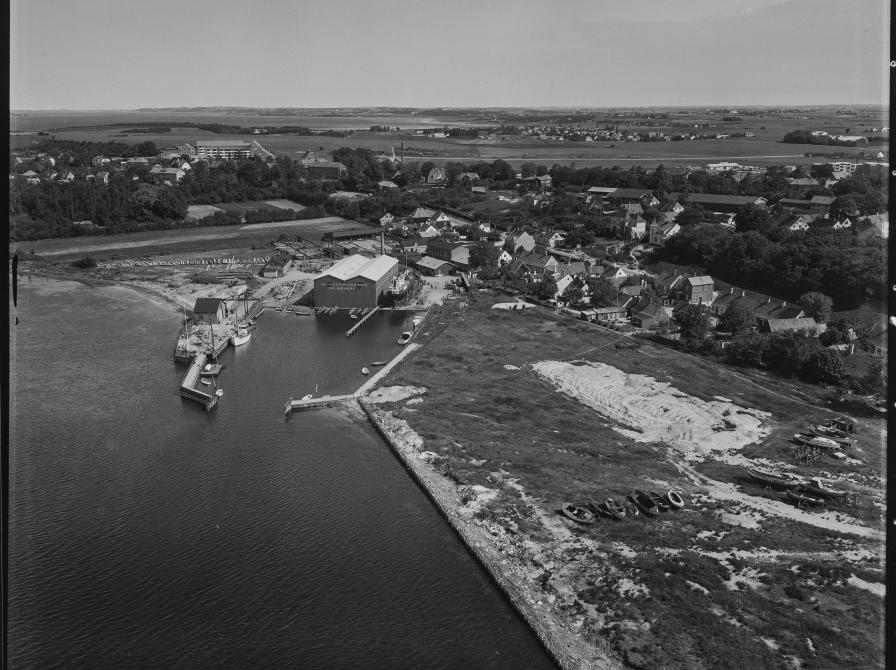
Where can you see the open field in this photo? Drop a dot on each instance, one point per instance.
(763, 149)
(524, 410)
(182, 240)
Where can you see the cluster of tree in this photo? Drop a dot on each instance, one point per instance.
(784, 263)
(79, 153)
(806, 137)
(147, 131)
(230, 129)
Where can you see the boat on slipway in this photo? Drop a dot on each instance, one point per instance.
(776, 478)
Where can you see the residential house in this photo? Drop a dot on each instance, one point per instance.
(441, 220)
(876, 225)
(820, 203)
(386, 184)
(784, 325)
(102, 176)
(550, 238)
(422, 215)
(437, 175)
(801, 185)
(278, 266)
(522, 240)
(611, 314)
(428, 231)
(725, 203)
(635, 229)
(456, 254)
(533, 265)
(660, 232)
(699, 290)
(798, 221)
(171, 175)
(414, 244)
(644, 197)
(649, 314)
(468, 178)
(434, 267)
(387, 219)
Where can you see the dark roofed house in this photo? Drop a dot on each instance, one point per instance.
(783, 325)
(820, 203)
(209, 310)
(644, 197)
(649, 315)
(278, 265)
(729, 204)
(533, 265)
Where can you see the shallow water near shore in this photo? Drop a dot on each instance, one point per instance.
(145, 532)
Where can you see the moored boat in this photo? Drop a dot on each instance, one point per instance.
(776, 478)
(219, 392)
(803, 499)
(815, 441)
(675, 499)
(612, 509)
(206, 381)
(241, 336)
(660, 501)
(830, 433)
(644, 502)
(818, 488)
(365, 370)
(577, 513)
(378, 363)
(405, 337)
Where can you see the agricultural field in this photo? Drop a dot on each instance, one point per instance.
(524, 410)
(763, 149)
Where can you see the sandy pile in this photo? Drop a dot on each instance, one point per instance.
(511, 305)
(657, 411)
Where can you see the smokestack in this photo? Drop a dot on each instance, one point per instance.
(784, 304)
(743, 294)
(382, 243)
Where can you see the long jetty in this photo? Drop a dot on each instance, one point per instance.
(351, 331)
(329, 400)
(188, 388)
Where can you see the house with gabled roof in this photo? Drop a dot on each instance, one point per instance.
(533, 265)
(644, 197)
(725, 203)
(522, 240)
(550, 238)
(649, 314)
(209, 310)
(386, 219)
(428, 231)
(803, 324)
(421, 215)
(436, 175)
(660, 232)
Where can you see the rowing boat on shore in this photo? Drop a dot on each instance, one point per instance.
(776, 478)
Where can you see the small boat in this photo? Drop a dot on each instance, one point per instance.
(378, 363)
(206, 381)
(816, 487)
(675, 499)
(660, 501)
(353, 316)
(241, 336)
(776, 478)
(802, 499)
(405, 337)
(833, 434)
(644, 502)
(303, 311)
(815, 441)
(576, 513)
(219, 392)
(365, 370)
(612, 509)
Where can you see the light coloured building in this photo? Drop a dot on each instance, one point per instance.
(230, 149)
(355, 281)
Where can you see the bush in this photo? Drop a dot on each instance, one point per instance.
(85, 262)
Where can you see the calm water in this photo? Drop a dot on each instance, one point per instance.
(147, 533)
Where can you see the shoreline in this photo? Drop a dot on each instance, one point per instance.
(564, 647)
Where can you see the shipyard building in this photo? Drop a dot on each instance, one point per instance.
(355, 281)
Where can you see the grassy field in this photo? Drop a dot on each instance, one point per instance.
(198, 239)
(737, 579)
(763, 149)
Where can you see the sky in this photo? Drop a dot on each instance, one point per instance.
(128, 54)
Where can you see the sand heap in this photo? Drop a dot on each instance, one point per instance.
(656, 411)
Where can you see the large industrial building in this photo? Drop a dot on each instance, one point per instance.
(355, 281)
(231, 149)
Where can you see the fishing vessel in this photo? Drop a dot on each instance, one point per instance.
(241, 336)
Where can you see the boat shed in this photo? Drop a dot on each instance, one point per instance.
(209, 310)
(434, 266)
(355, 281)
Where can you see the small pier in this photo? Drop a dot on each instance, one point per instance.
(329, 400)
(364, 317)
(188, 388)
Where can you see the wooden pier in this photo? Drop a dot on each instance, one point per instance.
(188, 388)
(329, 400)
(351, 331)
